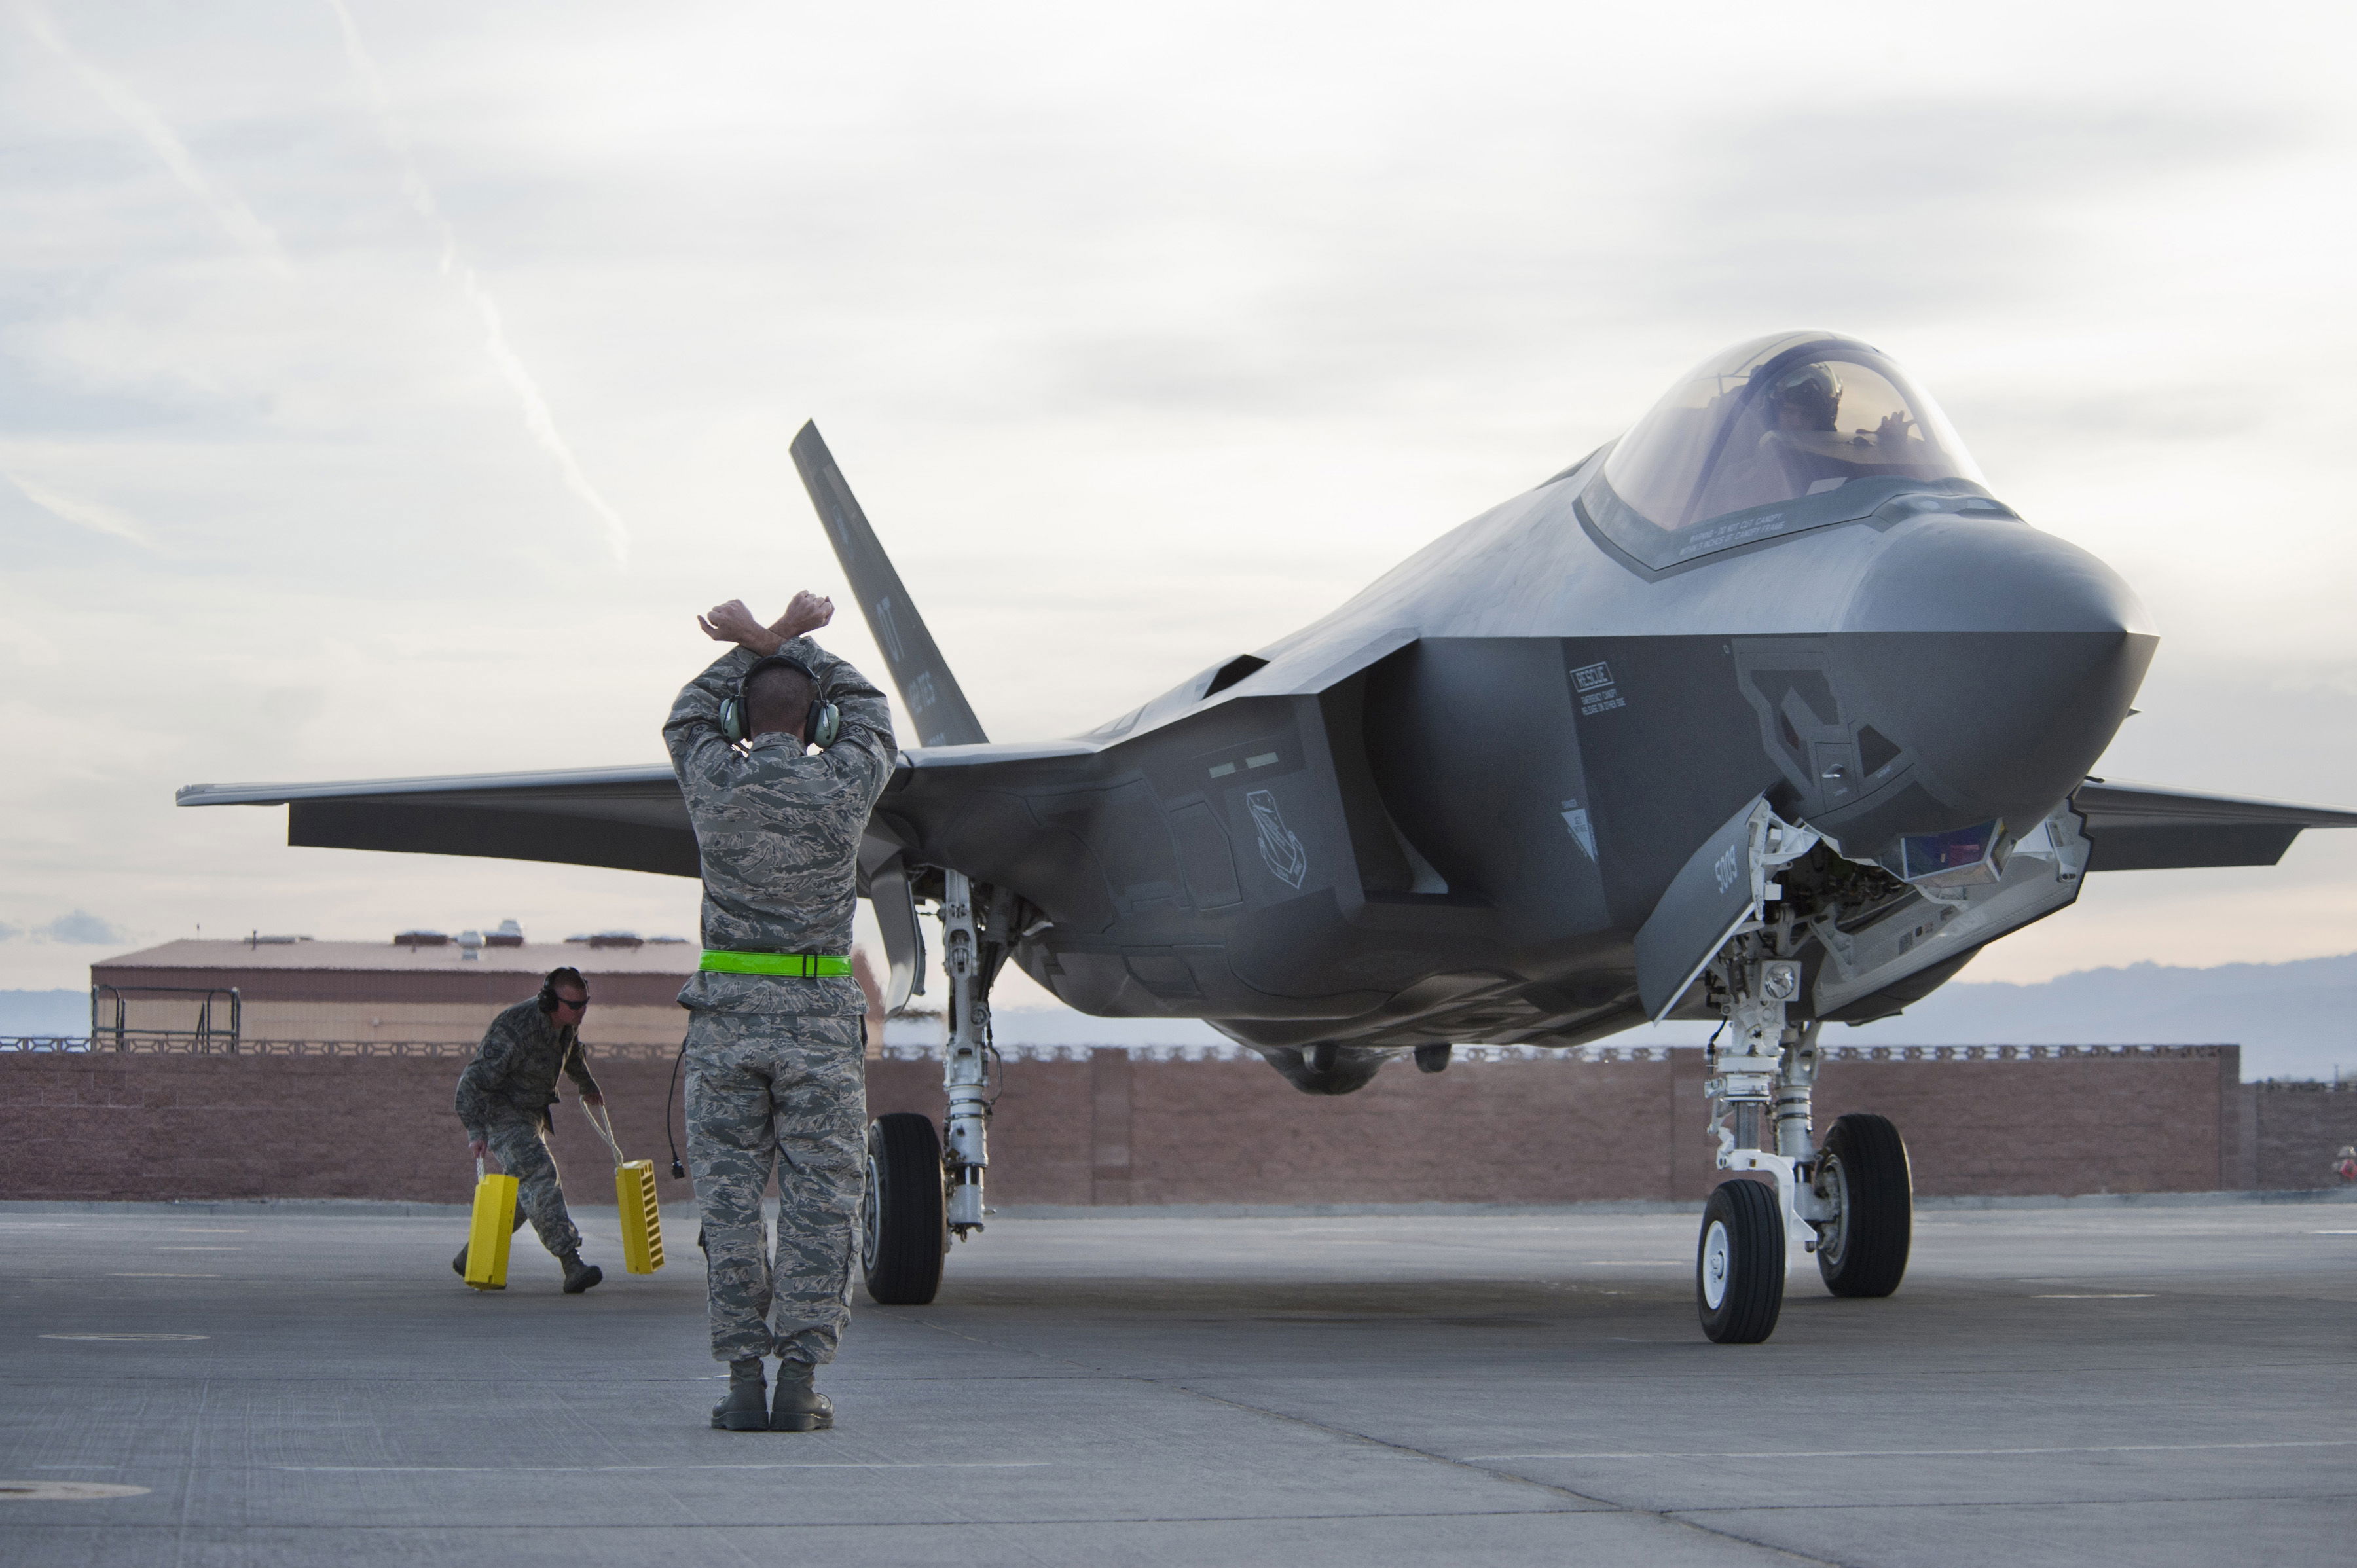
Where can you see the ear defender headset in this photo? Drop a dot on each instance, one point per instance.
(819, 726)
(547, 997)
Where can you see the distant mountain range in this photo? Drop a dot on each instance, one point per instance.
(2292, 1020)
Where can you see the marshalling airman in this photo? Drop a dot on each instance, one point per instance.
(782, 750)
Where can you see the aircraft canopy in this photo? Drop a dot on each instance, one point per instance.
(1780, 419)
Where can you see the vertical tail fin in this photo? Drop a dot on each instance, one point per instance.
(918, 669)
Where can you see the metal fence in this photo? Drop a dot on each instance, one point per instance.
(184, 1043)
(169, 1043)
(110, 1011)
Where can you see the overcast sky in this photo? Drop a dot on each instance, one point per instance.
(382, 391)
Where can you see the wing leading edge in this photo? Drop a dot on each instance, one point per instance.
(2136, 827)
(630, 818)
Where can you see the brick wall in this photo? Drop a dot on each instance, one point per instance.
(2299, 1128)
(1105, 1127)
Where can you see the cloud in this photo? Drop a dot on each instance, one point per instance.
(80, 927)
(538, 418)
(234, 216)
(96, 516)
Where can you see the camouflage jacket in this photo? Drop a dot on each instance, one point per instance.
(778, 831)
(514, 1070)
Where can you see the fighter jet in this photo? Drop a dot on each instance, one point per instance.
(1768, 711)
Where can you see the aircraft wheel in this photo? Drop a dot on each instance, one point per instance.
(903, 1227)
(1739, 1273)
(1863, 1172)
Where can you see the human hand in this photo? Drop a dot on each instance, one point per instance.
(807, 614)
(479, 1148)
(593, 1100)
(1891, 433)
(732, 622)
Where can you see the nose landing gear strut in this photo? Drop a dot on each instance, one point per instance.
(1848, 1203)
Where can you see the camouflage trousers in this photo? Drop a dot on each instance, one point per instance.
(520, 1144)
(788, 1093)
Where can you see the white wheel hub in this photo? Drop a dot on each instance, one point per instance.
(1717, 1260)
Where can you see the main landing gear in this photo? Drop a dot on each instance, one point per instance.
(1850, 1202)
(923, 1188)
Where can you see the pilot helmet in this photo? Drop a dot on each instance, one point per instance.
(1812, 389)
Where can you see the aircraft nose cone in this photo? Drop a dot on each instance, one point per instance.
(1947, 573)
(2000, 658)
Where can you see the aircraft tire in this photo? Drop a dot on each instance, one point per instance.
(903, 1223)
(1740, 1263)
(1864, 1167)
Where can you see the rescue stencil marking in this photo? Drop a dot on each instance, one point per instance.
(1266, 759)
(1224, 769)
(1597, 691)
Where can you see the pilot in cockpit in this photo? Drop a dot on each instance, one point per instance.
(1803, 437)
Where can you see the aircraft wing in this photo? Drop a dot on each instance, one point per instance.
(2136, 827)
(631, 819)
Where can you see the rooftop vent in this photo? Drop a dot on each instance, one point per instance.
(509, 935)
(618, 939)
(663, 941)
(421, 939)
(261, 939)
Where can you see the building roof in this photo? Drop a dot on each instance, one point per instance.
(534, 959)
(645, 976)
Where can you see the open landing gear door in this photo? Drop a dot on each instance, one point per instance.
(886, 878)
(1722, 884)
(1706, 900)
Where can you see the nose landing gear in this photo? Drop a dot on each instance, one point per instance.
(1850, 1203)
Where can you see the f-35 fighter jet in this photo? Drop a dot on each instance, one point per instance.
(1768, 711)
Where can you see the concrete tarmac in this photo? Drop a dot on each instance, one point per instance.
(2135, 1386)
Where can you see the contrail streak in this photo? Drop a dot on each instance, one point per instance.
(537, 417)
(231, 213)
(96, 516)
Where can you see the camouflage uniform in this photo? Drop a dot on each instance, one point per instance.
(503, 1098)
(774, 1069)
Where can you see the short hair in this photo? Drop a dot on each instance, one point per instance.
(567, 975)
(777, 699)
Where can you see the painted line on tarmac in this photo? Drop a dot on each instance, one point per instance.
(637, 1470)
(1932, 1453)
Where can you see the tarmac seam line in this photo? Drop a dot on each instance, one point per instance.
(1601, 1504)
(2017, 1503)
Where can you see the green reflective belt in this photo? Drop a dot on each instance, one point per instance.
(793, 965)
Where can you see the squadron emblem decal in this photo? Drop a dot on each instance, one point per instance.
(1280, 847)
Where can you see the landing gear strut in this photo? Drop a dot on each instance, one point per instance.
(924, 1189)
(1850, 1203)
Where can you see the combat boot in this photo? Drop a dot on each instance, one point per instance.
(797, 1406)
(579, 1276)
(746, 1408)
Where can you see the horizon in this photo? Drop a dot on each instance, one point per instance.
(387, 387)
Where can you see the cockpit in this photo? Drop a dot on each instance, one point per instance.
(1788, 432)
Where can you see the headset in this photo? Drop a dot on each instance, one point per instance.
(547, 997)
(819, 726)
